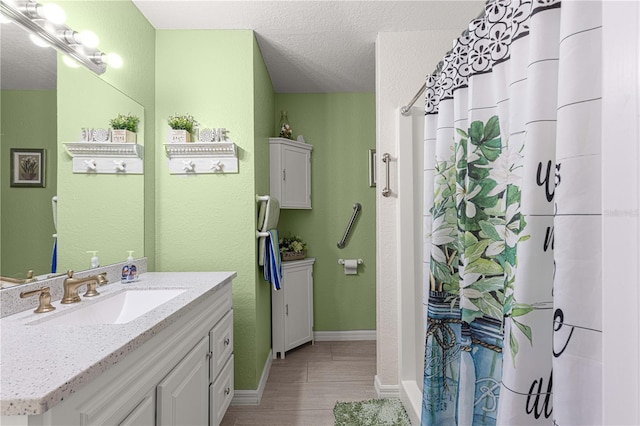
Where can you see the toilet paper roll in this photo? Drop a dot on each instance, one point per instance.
(351, 266)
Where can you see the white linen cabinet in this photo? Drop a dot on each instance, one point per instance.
(292, 307)
(290, 173)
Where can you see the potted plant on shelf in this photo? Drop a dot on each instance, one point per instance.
(181, 128)
(124, 128)
(292, 248)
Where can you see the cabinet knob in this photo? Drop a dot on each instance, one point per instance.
(227, 391)
(209, 355)
(226, 341)
(284, 174)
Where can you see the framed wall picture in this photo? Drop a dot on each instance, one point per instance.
(372, 168)
(27, 167)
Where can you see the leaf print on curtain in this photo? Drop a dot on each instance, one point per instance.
(476, 228)
(500, 121)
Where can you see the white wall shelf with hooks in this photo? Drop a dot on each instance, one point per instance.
(106, 157)
(202, 157)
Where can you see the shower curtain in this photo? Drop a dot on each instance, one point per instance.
(513, 218)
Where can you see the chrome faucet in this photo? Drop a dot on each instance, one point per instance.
(71, 286)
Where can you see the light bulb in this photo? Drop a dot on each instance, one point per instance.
(89, 39)
(70, 62)
(38, 41)
(53, 13)
(114, 60)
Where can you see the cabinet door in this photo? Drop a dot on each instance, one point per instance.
(296, 175)
(298, 295)
(221, 344)
(143, 414)
(221, 393)
(182, 395)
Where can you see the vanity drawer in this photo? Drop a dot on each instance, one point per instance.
(221, 393)
(220, 344)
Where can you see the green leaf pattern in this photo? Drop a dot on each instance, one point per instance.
(477, 226)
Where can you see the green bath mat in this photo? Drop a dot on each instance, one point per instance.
(374, 412)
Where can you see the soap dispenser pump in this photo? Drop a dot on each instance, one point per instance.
(129, 270)
(95, 263)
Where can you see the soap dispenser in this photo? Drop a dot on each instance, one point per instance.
(129, 270)
(95, 263)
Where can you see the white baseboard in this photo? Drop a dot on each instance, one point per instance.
(334, 336)
(254, 396)
(411, 398)
(386, 391)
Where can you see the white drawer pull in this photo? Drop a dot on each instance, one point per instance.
(227, 391)
(209, 355)
(226, 341)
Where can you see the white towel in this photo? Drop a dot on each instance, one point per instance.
(268, 216)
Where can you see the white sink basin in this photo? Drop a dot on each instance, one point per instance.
(117, 308)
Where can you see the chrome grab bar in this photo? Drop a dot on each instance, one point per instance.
(386, 191)
(343, 241)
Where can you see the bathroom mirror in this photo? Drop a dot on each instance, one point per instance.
(44, 104)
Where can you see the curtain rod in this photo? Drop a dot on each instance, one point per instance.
(405, 109)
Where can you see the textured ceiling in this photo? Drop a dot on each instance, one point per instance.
(308, 46)
(314, 46)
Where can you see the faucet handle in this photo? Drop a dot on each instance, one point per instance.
(70, 273)
(45, 299)
(91, 287)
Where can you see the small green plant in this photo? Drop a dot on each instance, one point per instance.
(182, 122)
(125, 122)
(292, 244)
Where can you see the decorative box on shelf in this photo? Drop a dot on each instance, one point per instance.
(106, 157)
(202, 157)
(122, 136)
(179, 136)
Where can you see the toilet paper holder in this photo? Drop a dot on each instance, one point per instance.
(341, 261)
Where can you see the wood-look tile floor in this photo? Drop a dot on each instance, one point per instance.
(303, 388)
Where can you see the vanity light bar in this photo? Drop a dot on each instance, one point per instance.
(83, 55)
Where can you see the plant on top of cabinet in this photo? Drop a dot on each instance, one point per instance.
(124, 128)
(285, 127)
(292, 248)
(182, 127)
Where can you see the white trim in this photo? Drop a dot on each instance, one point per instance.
(254, 396)
(621, 218)
(410, 135)
(340, 336)
(411, 397)
(385, 391)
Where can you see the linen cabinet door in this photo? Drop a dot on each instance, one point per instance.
(182, 394)
(298, 298)
(296, 189)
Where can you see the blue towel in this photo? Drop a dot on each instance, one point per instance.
(54, 256)
(272, 264)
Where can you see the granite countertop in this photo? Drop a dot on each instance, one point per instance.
(41, 363)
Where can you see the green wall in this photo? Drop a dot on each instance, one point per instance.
(263, 113)
(341, 128)
(103, 212)
(27, 221)
(207, 222)
(124, 30)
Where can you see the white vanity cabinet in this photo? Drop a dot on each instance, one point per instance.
(292, 307)
(290, 173)
(182, 394)
(183, 375)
